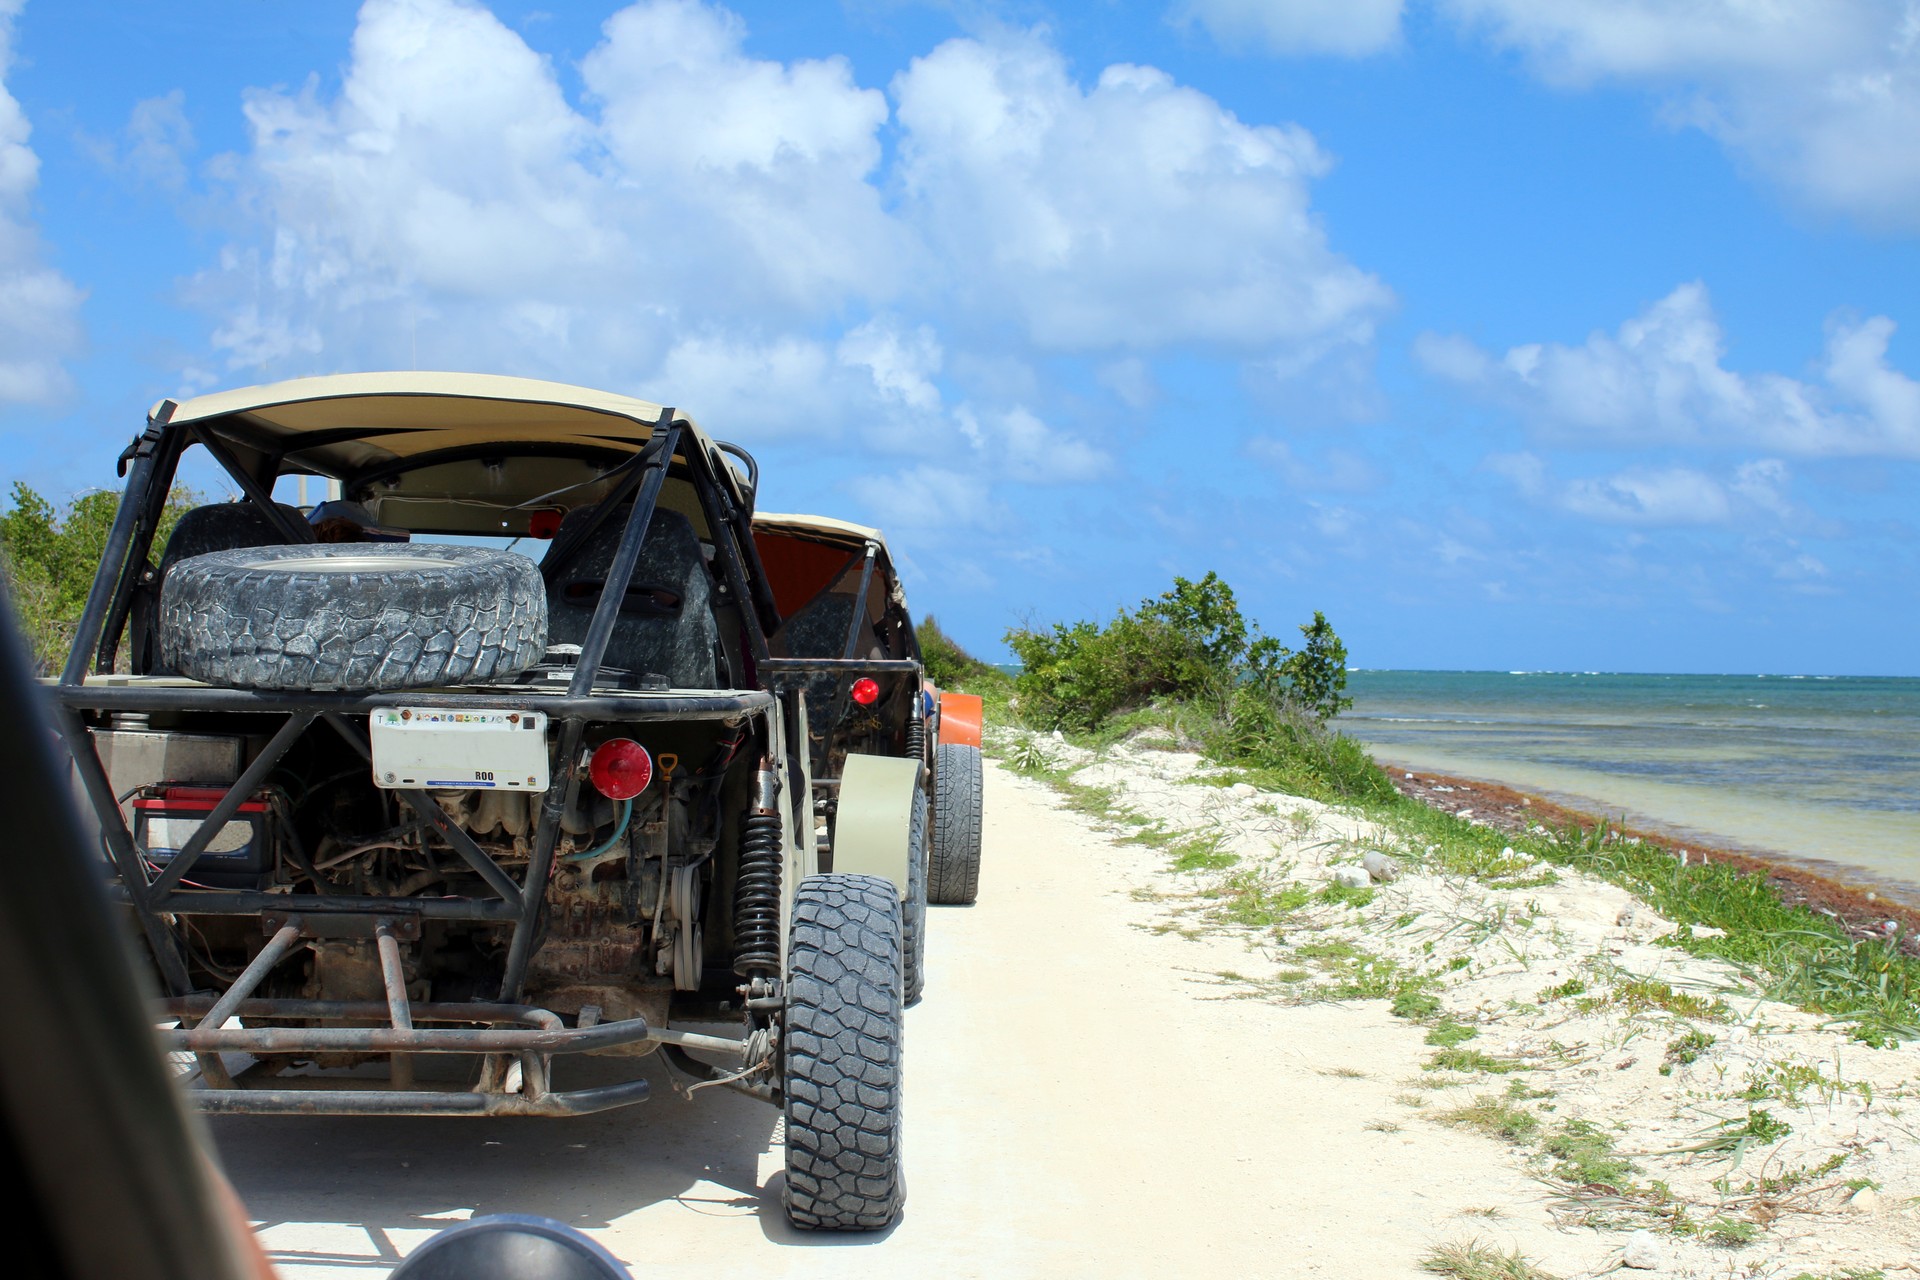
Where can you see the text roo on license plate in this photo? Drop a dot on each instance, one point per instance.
(442, 747)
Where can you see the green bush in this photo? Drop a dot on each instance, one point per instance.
(947, 664)
(1259, 705)
(1191, 644)
(1316, 676)
(48, 559)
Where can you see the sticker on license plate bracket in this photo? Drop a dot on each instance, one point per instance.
(444, 748)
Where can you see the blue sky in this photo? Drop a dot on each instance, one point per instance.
(1509, 335)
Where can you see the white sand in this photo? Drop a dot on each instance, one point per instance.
(1595, 1056)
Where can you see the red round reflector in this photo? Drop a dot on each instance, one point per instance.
(543, 523)
(864, 691)
(620, 769)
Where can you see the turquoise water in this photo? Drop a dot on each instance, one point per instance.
(1825, 769)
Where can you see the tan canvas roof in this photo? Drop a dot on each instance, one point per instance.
(819, 529)
(345, 422)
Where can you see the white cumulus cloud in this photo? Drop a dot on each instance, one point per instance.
(1824, 95)
(1655, 496)
(1661, 379)
(39, 307)
(1346, 27)
(450, 201)
(1135, 214)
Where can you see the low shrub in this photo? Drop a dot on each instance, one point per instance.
(1191, 644)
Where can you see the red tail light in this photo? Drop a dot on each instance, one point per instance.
(543, 523)
(864, 691)
(620, 769)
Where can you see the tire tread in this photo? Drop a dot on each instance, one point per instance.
(843, 1045)
(953, 877)
(225, 620)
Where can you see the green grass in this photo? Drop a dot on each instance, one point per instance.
(1344, 895)
(1583, 1154)
(1496, 1117)
(1732, 1232)
(1685, 1050)
(1258, 898)
(1475, 1261)
(1786, 1081)
(1641, 994)
(1447, 1033)
(1415, 1002)
(1202, 853)
(1469, 1060)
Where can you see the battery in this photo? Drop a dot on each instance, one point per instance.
(240, 855)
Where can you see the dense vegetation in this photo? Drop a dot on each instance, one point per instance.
(1192, 659)
(48, 558)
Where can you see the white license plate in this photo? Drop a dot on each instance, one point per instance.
(441, 748)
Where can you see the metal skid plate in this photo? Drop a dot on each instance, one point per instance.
(440, 747)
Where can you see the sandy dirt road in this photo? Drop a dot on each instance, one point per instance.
(1082, 1101)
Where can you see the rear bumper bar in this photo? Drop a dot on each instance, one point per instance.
(413, 1102)
(517, 1044)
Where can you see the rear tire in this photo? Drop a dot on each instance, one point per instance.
(913, 911)
(954, 871)
(842, 1051)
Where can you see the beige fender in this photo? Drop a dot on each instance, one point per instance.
(874, 816)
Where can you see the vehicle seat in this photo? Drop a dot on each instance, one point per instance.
(666, 626)
(819, 630)
(218, 526)
(223, 526)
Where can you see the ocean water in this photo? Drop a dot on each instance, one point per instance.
(1823, 769)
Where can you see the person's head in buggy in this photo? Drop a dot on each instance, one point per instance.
(337, 520)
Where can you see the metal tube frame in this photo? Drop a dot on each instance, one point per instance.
(113, 559)
(515, 903)
(294, 531)
(146, 524)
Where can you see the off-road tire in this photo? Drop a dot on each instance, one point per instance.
(953, 877)
(913, 911)
(352, 616)
(842, 1055)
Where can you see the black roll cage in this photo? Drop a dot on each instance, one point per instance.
(892, 673)
(534, 1034)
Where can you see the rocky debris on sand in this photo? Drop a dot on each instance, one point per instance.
(1382, 868)
(1643, 1252)
(1352, 877)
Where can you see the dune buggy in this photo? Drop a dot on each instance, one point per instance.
(407, 818)
(848, 638)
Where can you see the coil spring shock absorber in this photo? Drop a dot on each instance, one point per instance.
(917, 728)
(756, 899)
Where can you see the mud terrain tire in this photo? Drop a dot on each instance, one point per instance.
(352, 616)
(954, 872)
(913, 911)
(842, 1048)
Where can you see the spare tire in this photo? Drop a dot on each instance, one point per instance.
(352, 616)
